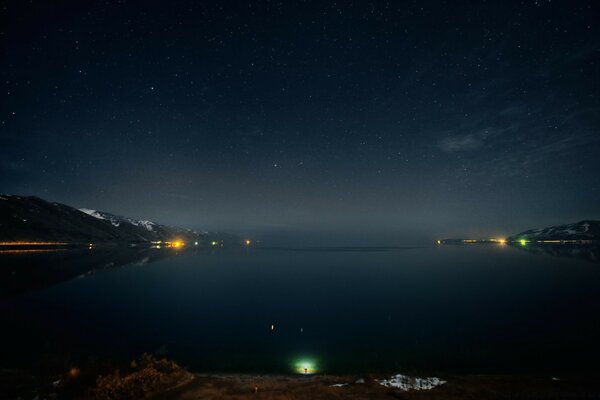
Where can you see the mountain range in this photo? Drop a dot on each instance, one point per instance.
(33, 219)
(582, 230)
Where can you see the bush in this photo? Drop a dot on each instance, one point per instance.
(146, 376)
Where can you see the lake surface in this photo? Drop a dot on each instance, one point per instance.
(479, 308)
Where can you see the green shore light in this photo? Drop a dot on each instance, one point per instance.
(305, 367)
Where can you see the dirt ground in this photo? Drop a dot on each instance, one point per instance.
(476, 387)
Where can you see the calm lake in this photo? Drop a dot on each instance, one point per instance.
(479, 308)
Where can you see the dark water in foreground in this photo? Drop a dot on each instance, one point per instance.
(480, 308)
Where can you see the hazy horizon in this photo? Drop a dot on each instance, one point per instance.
(338, 229)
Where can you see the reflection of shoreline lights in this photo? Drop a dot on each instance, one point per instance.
(176, 244)
(305, 367)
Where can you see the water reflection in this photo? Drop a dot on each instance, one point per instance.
(33, 269)
(589, 253)
(474, 308)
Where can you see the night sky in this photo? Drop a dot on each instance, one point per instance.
(361, 121)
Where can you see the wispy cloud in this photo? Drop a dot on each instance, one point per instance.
(470, 141)
(461, 143)
(557, 150)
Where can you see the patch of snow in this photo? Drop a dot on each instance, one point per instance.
(406, 383)
(149, 225)
(555, 379)
(116, 220)
(3, 198)
(338, 385)
(361, 380)
(92, 213)
(586, 227)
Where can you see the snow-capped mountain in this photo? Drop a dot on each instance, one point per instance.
(117, 220)
(583, 230)
(34, 219)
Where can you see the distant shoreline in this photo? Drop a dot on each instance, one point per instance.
(521, 242)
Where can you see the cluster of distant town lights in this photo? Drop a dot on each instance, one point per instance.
(247, 242)
(156, 244)
(522, 242)
(180, 243)
(499, 241)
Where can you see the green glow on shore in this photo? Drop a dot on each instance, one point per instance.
(305, 366)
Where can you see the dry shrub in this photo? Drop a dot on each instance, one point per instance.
(147, 376)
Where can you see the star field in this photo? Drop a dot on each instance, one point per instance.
(397, 119)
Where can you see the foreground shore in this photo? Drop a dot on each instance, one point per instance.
(464, 387)
(180, 384)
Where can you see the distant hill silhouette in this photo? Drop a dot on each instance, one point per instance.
(34, 219)
(583, 230)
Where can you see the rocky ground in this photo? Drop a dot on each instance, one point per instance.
(164, 380)
(275, 387)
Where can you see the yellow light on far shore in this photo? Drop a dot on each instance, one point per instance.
(247, 242)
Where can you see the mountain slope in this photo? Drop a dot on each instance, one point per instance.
(117, 220)
(34, 219)
(583, 230)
